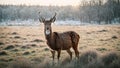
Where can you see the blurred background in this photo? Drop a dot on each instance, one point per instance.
(68, 12)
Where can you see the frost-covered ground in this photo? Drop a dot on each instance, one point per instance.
(36, 23)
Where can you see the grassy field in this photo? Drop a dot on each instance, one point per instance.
(25, 47)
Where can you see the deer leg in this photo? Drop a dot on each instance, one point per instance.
(70, 53)
(53, 54)
(76, 52)
(59, 51)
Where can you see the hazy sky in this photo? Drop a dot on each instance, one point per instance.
(42, 2)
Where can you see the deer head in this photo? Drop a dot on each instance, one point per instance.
(47, 24)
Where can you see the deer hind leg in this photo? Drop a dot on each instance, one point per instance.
(58, 51)
(76, 51)
(53, 54)
(70, 53)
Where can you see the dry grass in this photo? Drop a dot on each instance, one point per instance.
(29, 43)
(89, 59)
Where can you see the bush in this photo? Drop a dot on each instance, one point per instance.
(3, 53)
(37, 40)
(26, 53)
(88, 57)
(9, 47)
(114, 37)
(1, 43)
(17, 37)
(21, 63)
(14, 33)
(109, 58)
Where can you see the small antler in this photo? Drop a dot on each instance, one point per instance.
(41, 19)
(53, 18)
(55, 15)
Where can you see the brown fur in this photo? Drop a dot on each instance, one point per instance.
(63, 41)
(60, 41)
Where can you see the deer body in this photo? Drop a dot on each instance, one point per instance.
(60, 41)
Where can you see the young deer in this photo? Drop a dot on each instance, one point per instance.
(60, 41)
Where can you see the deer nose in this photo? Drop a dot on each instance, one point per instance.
(47, 28)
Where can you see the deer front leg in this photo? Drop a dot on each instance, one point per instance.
(58, 51)
(53, 54)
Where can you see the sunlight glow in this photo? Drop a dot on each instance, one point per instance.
(42, 2)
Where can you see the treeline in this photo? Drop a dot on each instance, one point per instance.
(88, 11)
(100, 11)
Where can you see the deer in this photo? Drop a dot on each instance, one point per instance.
(60, 41)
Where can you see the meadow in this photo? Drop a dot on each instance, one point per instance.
(25, 47)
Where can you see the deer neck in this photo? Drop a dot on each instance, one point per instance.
(49, 36)
(50, 40)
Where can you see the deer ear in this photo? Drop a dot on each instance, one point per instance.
(53, 19)
(42, 20)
